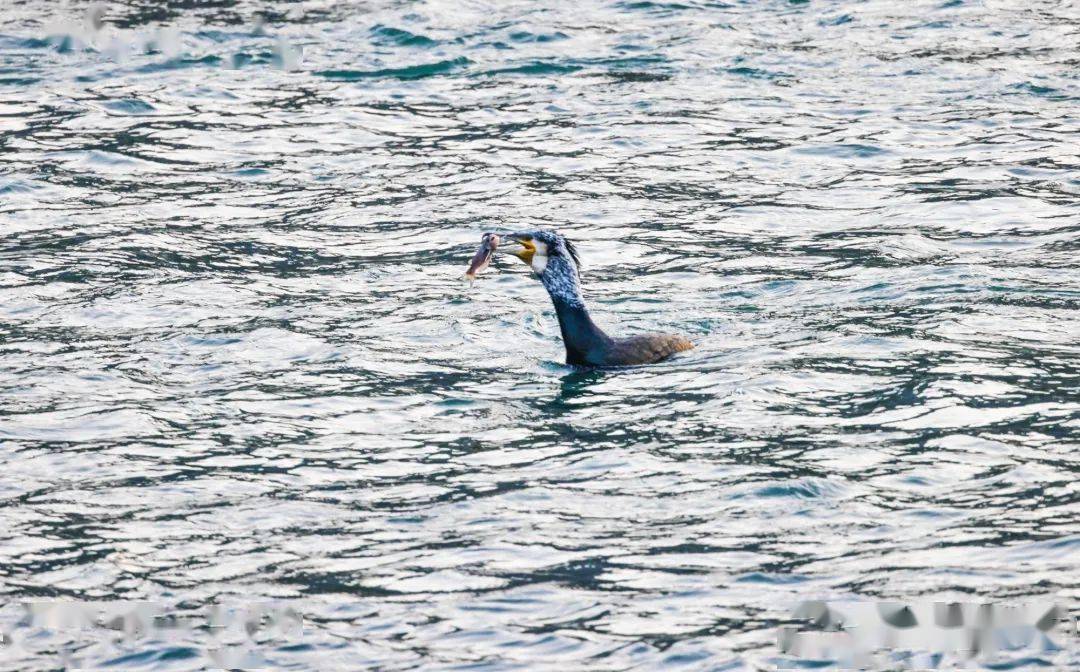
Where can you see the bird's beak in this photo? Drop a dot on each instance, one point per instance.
(528, 249)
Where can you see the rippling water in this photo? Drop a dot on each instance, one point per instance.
(239, 361)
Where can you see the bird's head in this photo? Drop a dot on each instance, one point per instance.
(539, 248)
(553, 258)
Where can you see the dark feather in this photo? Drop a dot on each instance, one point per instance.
(573, 252)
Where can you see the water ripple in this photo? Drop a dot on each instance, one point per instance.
(240, 363)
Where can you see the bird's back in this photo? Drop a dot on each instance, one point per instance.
(645, 349)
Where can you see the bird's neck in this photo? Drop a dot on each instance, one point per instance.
(585, 342)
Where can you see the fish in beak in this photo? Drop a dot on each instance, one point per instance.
(488, 244)
(530, 251)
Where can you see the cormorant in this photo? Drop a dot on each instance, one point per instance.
(555, 261)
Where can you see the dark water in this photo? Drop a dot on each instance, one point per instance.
(238, 361)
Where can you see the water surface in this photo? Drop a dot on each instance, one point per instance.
(238, 360)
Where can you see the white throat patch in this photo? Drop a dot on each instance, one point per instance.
(539, 263)
(540, 257)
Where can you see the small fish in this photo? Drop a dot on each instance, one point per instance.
(482, 258)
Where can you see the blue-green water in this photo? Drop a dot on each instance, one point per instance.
(238, 361)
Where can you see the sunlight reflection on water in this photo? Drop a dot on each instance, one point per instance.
(240, 362)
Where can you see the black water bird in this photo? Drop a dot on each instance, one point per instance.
(555, 261)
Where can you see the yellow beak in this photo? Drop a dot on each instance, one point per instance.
(526, 252)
